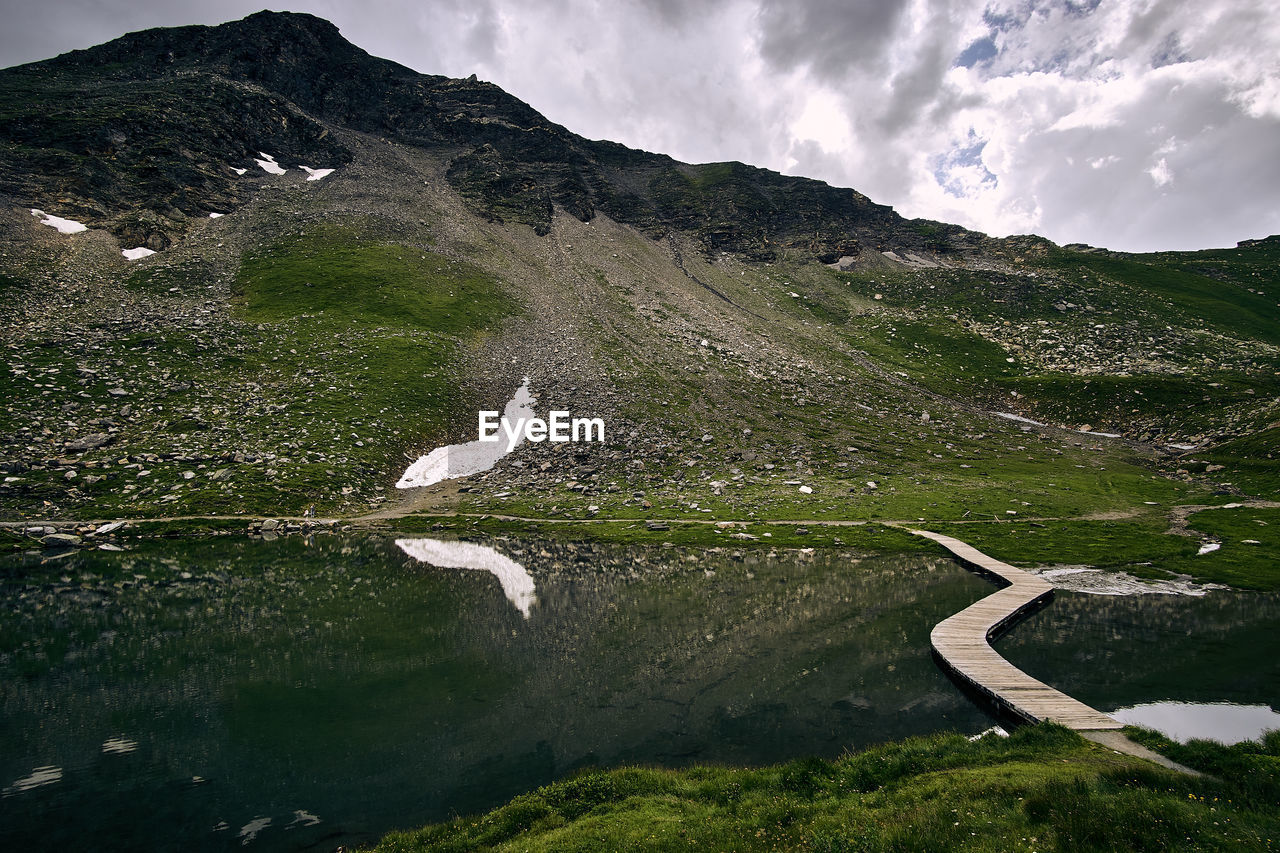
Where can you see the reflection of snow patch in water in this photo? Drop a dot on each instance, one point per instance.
(1092, 581)
(1224, 722)
(463, 460)
(135, 254)
(1208, 548)
(119, 746)
(303, 818)
(39, 777)
(64, 226)
(315, 174)
(517, 585)
(250, 830)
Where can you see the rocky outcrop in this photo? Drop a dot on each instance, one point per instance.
(144, 133)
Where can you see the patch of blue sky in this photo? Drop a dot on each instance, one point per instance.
(960, 172)
(979, 51)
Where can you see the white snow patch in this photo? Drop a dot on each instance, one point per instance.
(463, 460)
(1019, 418)
(135, 254)
(1184, 446)
(65, 226)
(216, 215)
(315, 174)
(517, 584)
(1208, 548)
(269, 164)
(238, 171)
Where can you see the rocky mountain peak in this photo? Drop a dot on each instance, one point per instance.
(149, 126)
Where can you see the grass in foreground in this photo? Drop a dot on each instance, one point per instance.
(1044, 788)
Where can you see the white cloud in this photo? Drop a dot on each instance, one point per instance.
(1161, 173)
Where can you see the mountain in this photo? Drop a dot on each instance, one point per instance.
(151, 119)
(295, 342)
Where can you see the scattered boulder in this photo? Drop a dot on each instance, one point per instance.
(89, 442)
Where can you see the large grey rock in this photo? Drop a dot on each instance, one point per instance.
(89, 442)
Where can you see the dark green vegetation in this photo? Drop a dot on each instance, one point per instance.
(1044, 788)
(1250, 553)
(1189, 285)
(690, 534)
(1250, 769)
(340, 354)
(1131, 344)
(1248, 556)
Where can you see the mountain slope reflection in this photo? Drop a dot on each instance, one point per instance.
(517, 584)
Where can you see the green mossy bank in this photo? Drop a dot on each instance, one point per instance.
(1044, 788)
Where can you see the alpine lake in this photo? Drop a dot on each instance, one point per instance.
(314, 692)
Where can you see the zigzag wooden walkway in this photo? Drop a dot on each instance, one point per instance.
(962, 641)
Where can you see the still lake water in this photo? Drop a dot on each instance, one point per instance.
(228, 694)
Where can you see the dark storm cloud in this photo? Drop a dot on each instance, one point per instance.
(828, 36)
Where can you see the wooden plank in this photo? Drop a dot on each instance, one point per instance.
(963, 642)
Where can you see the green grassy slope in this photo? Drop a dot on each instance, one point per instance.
(1041, 789)
(341, 356)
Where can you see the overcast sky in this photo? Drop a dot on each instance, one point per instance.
(1136, 124)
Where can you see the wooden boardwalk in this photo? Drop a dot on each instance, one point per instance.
(962, 641)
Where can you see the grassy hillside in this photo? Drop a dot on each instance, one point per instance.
(1044, 788)
(337, 356)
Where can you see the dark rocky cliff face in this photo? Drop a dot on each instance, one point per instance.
(138, 134)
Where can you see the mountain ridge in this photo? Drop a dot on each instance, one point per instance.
(511, 162)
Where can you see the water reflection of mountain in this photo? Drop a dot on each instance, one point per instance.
(1113, 651)
(346, 678)
(298, 673)
(841, 645)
